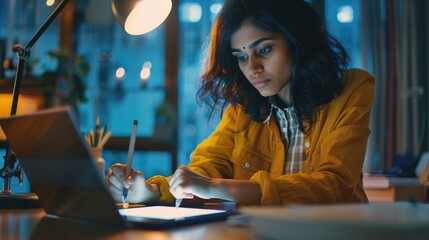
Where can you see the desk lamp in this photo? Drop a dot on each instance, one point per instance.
(7, 198)
(140, 16)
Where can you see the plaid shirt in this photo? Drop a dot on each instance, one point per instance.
(293, 139)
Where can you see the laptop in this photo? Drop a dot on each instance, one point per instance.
(62, 172)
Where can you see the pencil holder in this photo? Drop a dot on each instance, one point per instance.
(99, 161)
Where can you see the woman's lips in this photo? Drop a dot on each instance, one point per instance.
(260, 83)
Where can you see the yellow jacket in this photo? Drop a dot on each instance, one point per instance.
(335, 146)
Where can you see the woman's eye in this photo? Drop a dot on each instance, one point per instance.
(265, 51)
(242, 58)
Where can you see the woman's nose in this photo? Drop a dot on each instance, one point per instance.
(254, 66)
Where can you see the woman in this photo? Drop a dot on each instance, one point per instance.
(295, 119)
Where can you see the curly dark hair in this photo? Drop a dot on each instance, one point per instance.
(319, 60)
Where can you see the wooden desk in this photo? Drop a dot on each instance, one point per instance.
(34, 224)
(394, 221)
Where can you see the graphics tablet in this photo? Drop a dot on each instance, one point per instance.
(63, 173)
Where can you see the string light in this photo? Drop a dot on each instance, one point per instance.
(345, 14)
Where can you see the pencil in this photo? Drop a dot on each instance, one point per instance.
(100, 137)
(97, 132)
(178, 202)
(104, 140)
(130, 156)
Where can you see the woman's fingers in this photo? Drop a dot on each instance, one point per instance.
(114, 181)
(117, 180)
(118, 171)
(176, 178)
(178, 183)
(135, 182)
(186, 183)
(183, 192)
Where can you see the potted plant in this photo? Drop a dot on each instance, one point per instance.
(64, 82)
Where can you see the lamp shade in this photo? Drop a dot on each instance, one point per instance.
(140, 16)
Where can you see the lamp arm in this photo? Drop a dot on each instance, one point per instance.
(46, 24)
(7, 172)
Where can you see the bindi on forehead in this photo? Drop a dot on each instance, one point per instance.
(253, 44)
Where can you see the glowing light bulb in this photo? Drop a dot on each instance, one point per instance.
(147, 15)
(145, 73)
(120, 73)
(345, 14)
(50, 2)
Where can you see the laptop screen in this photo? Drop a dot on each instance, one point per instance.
(59, 165)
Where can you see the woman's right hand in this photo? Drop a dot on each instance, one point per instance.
(139, 191)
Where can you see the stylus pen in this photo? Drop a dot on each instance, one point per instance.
(130, 157)
(178, 202)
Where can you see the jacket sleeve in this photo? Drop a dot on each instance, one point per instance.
(212, 156)
(334, 166)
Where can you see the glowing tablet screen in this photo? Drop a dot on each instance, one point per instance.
(165, 212)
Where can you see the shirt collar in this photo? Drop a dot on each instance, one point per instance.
(276, 104)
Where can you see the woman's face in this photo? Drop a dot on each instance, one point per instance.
(264, 59)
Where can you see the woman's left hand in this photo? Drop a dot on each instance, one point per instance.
(186, 183)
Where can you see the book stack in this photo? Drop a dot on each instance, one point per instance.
(383, 188)
(377, 181)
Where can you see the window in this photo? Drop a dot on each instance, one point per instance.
(196, 18)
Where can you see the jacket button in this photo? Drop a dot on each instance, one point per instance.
(307, 144)
(247, 164)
